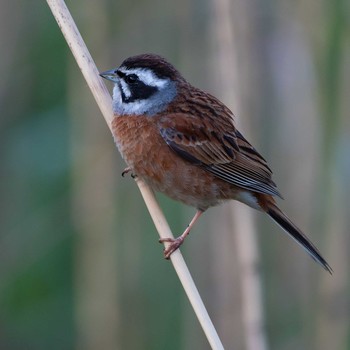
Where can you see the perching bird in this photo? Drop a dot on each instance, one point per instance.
(183, 142)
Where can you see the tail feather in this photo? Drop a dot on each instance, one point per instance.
(281, 219)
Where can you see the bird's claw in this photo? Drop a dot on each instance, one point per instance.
(174, 244)
(126, 171)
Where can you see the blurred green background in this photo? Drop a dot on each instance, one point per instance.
(80, 266)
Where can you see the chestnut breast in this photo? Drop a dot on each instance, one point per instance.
(144, 150)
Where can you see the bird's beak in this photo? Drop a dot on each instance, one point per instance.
(110, 75)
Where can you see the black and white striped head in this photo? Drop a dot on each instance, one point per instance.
(144, 84)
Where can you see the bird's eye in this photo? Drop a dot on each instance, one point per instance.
(131, 79)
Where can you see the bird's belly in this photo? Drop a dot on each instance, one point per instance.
(150, 158)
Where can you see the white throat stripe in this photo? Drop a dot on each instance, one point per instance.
(125, 88)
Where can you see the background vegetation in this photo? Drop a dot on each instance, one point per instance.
(80, 266)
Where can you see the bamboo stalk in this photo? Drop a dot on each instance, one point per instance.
(103, 99)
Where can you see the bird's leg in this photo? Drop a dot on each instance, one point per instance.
(175, 243)
(126, 171)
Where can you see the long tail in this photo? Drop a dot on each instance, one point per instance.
(281, 219)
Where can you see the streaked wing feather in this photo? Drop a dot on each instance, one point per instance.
(220, 150)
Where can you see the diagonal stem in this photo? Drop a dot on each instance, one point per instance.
(103, 99)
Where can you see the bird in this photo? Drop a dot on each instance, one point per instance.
(183, 142)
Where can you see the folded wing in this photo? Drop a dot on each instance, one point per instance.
(220, 150)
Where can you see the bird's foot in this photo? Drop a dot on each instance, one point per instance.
(174, 243)
(126, 171)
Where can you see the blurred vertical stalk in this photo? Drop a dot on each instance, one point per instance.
(95, 281)
(332, 319)
(225, 47)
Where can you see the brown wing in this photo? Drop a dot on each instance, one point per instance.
(219, 149)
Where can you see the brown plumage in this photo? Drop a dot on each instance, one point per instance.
(183, 142)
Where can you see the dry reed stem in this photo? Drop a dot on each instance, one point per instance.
(227, 48)
(103, 99)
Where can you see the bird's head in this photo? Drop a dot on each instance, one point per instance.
(143, 85)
